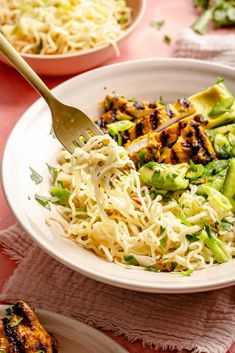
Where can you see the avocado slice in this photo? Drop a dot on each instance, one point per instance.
(229, 183)
(165, 176)
(223, 140)
(207, 100)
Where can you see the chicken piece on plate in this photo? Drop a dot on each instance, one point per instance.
(21, 332)
(180, 142)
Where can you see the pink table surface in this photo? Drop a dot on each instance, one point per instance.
(16, 95)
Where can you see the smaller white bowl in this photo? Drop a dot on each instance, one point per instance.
(68, 64)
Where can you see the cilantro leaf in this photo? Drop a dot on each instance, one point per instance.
(37, 178)
(157, 24)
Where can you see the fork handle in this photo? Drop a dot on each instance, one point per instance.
(20, 64)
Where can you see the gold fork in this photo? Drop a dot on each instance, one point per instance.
(71, 126)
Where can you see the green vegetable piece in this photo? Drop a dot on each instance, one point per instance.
(14, 324)
(205, 100)
(39, 47)
(131, 260)
(217, 197)
(157, 24)
(53, 171)
(218, 249)
(8, 313)
(229, 183)
(226, 225)
(222, 107)
(116, 128)
(201, 3)
(152, 269)
(43, 200)
(222, 146)
(37, 178)
(140, 158)
(196, 170)
(187, 272)
(200, 26)
(192, 238)
(165, 176)
(60, 195)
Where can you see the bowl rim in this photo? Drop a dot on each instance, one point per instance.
(91, 273)
(126, 32)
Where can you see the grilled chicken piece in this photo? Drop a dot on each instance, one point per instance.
(180, 142)
(146, 116)
(23, 333)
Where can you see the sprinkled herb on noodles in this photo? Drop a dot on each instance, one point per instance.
(103, 207)
(63, 27)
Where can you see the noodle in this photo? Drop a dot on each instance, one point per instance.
(63, 27)
(112, 214)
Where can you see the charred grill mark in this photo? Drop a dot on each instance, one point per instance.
(21, 310)
(184, 102)
(12, 336)
(200, 142)
(169, 111)
(164, 138)
(102, 123)
(139, 129)
(174, 156)
(152, 105)
(154, 120)
(114, 115)
(138, 106)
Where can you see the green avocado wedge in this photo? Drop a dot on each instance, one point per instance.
(216, 103)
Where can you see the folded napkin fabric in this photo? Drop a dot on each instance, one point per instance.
(200, 322)
(212, 47)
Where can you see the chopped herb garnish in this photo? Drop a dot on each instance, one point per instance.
(187, 272)
(29, 198)
(162, 230)
(157, 24)
(220, 80)
(60, 195)
(203, 118)
(14, 324)
(160, 100)
(37, 178)
(8, 313)
(131, 260)
(191, 238)
(167, 39)
(43, 200)
(226, 225)
(53, 171)
(39, 47)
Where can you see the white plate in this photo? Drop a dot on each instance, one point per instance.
(73, 336)
(68, 64)
(31, 145)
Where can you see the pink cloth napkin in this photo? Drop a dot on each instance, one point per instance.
(202, 322)
(211, 47)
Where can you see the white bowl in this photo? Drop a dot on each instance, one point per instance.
(73, 336)
(30, 144)
(68, 64)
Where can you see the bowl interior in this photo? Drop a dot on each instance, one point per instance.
(31, 145)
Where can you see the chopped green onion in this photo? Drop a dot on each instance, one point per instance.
(43, 200)
(219, 199)
(60, 195)
(53, 171)
(8, 313)
(187, 272)
(216, 246)
(152, 269)
(14, 324)
(196, 170)
(131, 260)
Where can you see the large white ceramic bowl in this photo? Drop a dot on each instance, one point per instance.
(74, 336)
(30, 144)
(68, 64)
